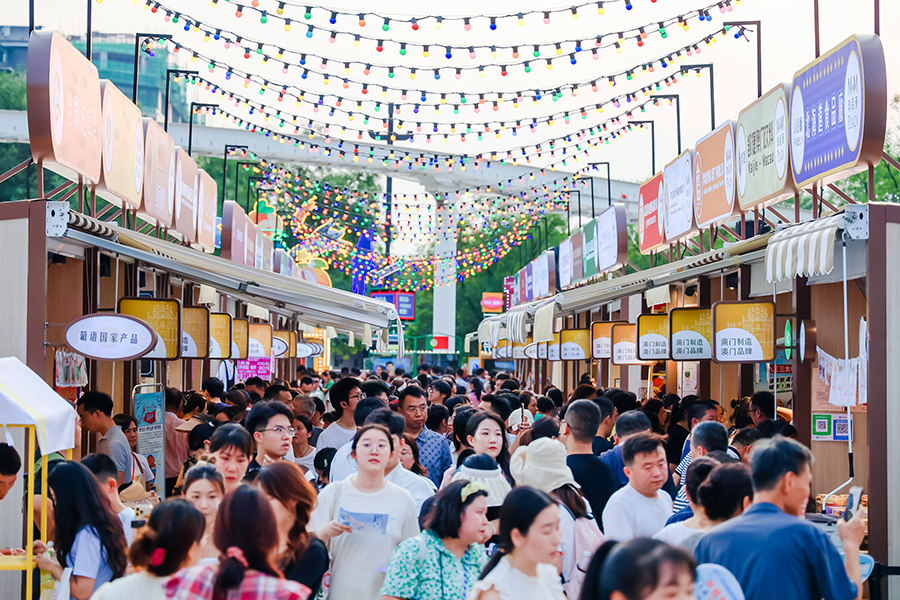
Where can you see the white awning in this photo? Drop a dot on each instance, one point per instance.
(26, 399)
(803, 250)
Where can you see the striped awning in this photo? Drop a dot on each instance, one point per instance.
(803, 250)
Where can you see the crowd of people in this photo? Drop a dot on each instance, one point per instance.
(443, 485)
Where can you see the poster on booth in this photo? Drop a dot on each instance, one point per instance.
(762, 151)
(260, 340)
(164, 316)
(651, 230)
(195, 332)
(254, 367)
(653, 337)
(220, 335)
(714, 176)
(624, 344)
(553, 348)
(690, 333)
(574, 344)
(677, 201)
(601, 339)
(743, 332)
(240, 338)
(149, 411)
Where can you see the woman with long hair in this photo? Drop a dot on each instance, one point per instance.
(204, 488)
(169, 543)
(231, 447)
(409, 456)
(476, 391)
(129, 426)
(526, 565)
(485, 433)
(246, 535)
(302, 556)
(88, 535)
(640, 569)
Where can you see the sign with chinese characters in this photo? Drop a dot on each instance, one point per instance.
(653, 337)
(185, 195)
(281, 341)
(831, 427)
(743, 331)
(564, 261)
(690, 333)
(839, 111)
(207, 211)
(542, 351)
(240, 338)
(714, 176)
(122, 175)
(250, 233)
(491, 302)
(677, 199)
(601, 339)
(762, 151)
(651, 231)
(624, 344)
(612, 238)
(159, 174)
(531, 351)
(406, 306)
(577, 257)
(108, 336)
(589, 256)
(164, 316)
(254, 367)
(260, 340)
(502, 350)
(528, 273)
(553, 348)
(518, 350)
(234, 231)
(220, 335)
(575, 344)
(195, 332)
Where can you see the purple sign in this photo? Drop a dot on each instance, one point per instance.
(529, 283)
(389, 297)
(406, 306)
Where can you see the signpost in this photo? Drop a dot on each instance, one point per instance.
(109, 336)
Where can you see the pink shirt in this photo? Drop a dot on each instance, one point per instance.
(176, 445)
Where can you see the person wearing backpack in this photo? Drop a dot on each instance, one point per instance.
(446, 559)
(542, 465)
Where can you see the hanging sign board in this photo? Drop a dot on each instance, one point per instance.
(677, 199)
(529, 282)
(109, 336)
(531, 351)
(762, 151)
(164, 316)
(220, 335)
(185, 195)
(122, 175)
(542, 351)
(240, 338)
(159, 174)
(250, 234)
(651, 232)
(64, 109)
(234, 231)
(653, 337)
(207, 211)
(518, 351)
(406, 306)
(714, 176)
(589, 254)
(195, 332)
(260, 338)
(497, 351)
(624, 344)
(839, 112)
(612, 238)
(491, 302)
(565, 263)
(540, 272)
(743, 332)
(601, 339)
(553, 348)
(281, 340)
(292, 344)
(577, 257)
(575, 344)
(690, 333)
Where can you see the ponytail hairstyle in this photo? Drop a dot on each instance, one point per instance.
(284, 481)
(634, 569)
(172, 530)
(519, 510)
(247, 536)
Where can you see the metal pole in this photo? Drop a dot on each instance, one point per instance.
(134, 83)
(652, 141)
(608, 185)
(759, 88)
(593, 211)
(712, 99)
(30, 16)
(88, 45)
(191, 129)
(816, 26)
(166, 105)
(676, 99)
(579, 208)
(225, 176)
(877, 17)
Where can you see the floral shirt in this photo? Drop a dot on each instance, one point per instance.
(423, 569)
(197, 583)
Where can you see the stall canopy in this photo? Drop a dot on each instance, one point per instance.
(808, 249)
(25, 399)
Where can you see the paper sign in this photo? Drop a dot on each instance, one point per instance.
(831, 427)
(260, 338)
(677, 203)
(149, 411)
(164, 316)
(714, 176)
(553, 348)
(624, 341)
(762, 151)
(122, 175)
(240, 338)
(653, 337)
(185, 195)
(371, 523)
(690, 333)
(195, 332)
(574, 344)
(159, 174)
(220, 335)
(601, 339)
(651, 229)
(108, 336)
(743, 332)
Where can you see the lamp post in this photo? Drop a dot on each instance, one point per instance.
(570, 192)
(742, 33)
(389, 187)
(670, 98)
(137, 52)
(712, 100)
(608, 186)
(230, 148)
(652, 141)
(169, 73)
(194, 107)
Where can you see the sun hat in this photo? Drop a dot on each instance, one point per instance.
(542, 465)
(483, 469)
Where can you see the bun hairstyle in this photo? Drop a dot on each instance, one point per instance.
(173, 528)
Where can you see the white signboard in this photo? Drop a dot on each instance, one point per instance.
(565, 263)
(678, 204)
(110, 337)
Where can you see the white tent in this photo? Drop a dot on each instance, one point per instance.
(25, 399)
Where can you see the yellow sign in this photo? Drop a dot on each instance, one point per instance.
(164, 316)
(553, 348)
(601, 339)
(281, 344)
(575, 344)
(195, 332)
(292, 344)
(518, 350)
(260, 340)
(240, 339)
(744, 332)
(653, 337)
(220, 335)
(690, 333)
(501, 349)
(624, 344)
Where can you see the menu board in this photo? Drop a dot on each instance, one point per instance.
(678, 199)
(612, 238)
(553, 348)
(714, 176)
(159, 173)
(260, 340)
(234, 231)
(164, 316)
(122, 175)
(185, 195)
(839, 111)
(207, 211)
(240, 338)
(653, 337)
(743, 331)
(762, 151)
(624, 344)
(220, 335)
(651, 232)
(195, 332)
(601, 339)
(575, 344)
(690, 333)
(589, 255)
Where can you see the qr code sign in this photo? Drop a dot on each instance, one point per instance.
(841, 428)
(822, 426)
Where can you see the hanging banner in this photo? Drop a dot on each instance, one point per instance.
(492, 302)
(406, 306)
(624, 344)
(565, 263)
(260, 339)
(540, 272)
(743, 331)
(122, 175)
(195, 332)
(207, 211)
(612, 238)
(108, 336)
(281, 341)
(690, 333)
(164, 316)
(574, 344)
(589, 255)
(714, 176)
(653, 337)
(839, 112)
(762, 151)
(651, 231)
(240, 338)
(159, 174)
(577, 257)
(250, 234)
(553, 348)
(529, 282)
(677, 201)
(220, 335)
(234, 231)
(601, 339)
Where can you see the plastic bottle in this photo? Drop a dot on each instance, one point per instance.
(47, 580)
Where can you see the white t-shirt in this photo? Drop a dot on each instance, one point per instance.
(675, 533)
(334, 436)
(380, 521)
(126, 516)
(141, 585)
(629, 514)
(306, 461)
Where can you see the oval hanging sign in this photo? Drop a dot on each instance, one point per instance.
(279, 346)
(110, 336)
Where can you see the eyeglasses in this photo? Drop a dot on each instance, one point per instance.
(281, 430)
(356, 396)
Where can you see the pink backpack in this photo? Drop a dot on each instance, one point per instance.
(588, 538)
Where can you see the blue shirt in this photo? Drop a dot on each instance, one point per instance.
(681, 515)
(776, 555)
(434, 454)
(88, 557)
(613, 458)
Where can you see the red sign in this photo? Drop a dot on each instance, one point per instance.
(492, 302)
(651, 233)
(254, 367)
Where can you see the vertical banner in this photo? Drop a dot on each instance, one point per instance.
(589, 255)
(601, 339)
(743, 332)
(149, 411)
(575, 344)
(677, 204)
(653, 337)
(690, 333)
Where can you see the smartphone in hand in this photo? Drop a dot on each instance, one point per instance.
(853, 501)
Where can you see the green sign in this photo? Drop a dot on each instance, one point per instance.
(589, 255)
(788, 340)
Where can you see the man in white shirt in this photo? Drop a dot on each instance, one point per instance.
(641, 508)
(105, 472)
(344, 396)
